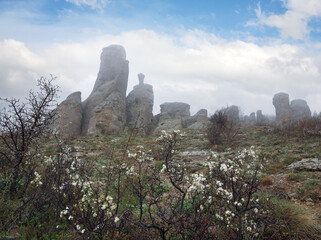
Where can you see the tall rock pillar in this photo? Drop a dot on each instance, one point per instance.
(104, 111)
(283, 111)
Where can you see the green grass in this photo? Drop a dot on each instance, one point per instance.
(311, 183)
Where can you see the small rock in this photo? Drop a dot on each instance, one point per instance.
(309, 202)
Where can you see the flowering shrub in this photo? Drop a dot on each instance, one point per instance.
(135, 199)
(233, 183)
(93, 204)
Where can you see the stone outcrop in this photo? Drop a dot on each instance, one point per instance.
(174, 108)
(139, 104)
(306, 164)
(232, 113)
(69, 116)
(259, 117)
(252, 118)
(172, 116)
(282, 107)
(199, 120)
(104, 111)
(168, 123)
(297, 110)
(300, 109)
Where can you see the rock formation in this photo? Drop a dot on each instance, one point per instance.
(232, 113)
(199, 120)
(282, 107)
(252, 118)
(139, 104)
(69, 116)
(172, 116)
(297, 110)
(104, 111)
(306, 164)
(300, 109)
(174, 108)
(259, 117)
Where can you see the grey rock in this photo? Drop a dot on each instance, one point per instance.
(172, 108)
(300, 109)
(173, 116)
(308, 164)
(69, 116)
(168, 123)
(199, 120)
(139, 104)
(259, 116)
(246, 120)
(282, 107)
(252, 118)
(233, 113)
(104, 111)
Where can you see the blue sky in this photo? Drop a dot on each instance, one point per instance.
(227, 19)
(207, 53)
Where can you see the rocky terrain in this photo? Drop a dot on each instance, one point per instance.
(108, 110)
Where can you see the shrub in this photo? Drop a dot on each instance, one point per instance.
(222, 127)
(21, 128)
(131, 195)
(309, 127)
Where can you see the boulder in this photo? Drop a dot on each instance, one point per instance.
(300, 109)
(172, 108)
(199, 120)
(282, 107)
(139, 104)
(306, 164)
(168, 123)
(104, 111)
(173, 116)
(69, 116)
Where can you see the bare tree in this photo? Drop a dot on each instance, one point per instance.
(21, 126)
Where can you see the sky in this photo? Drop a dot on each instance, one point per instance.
(207, 53)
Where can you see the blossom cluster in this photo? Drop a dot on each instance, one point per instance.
(37, 180)
(139, 154)
(234, 179)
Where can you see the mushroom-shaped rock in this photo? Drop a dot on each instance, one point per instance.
(139, 104)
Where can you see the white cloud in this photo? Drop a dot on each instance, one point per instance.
(19, 67)
(193, 66)
(294, 22)
(94, 4)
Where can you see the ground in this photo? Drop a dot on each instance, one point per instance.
(301, 187)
